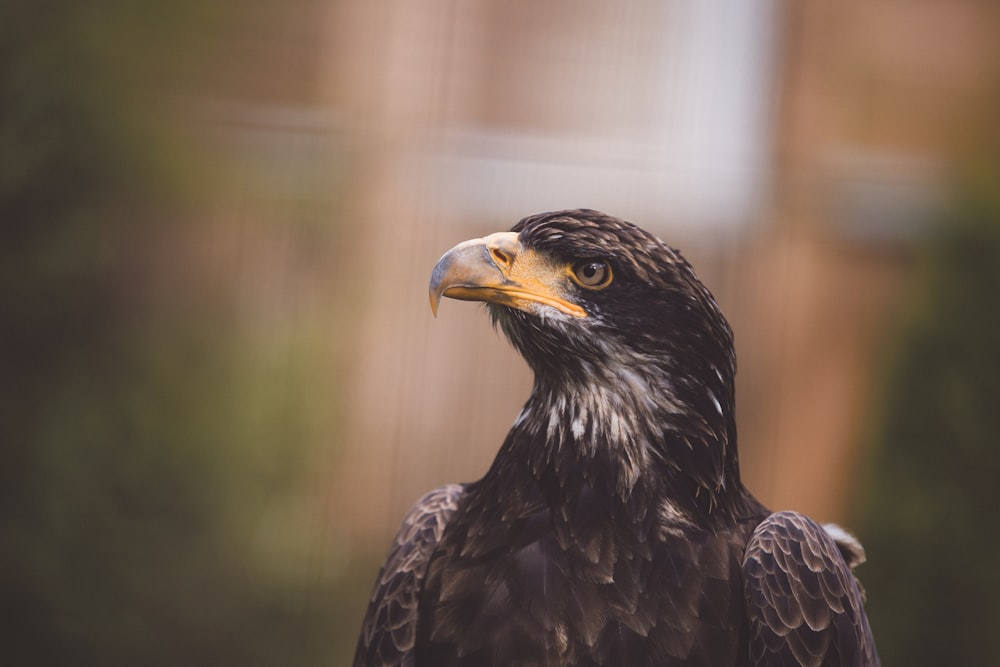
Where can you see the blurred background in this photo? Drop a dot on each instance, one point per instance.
(221, 382)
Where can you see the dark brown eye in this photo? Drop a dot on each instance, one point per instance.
(592, 273)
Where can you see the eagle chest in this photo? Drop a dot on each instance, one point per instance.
(528, 594)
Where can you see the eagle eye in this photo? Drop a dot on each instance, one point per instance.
(592, 274)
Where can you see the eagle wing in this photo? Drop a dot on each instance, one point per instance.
(389, 630)
(804, 605)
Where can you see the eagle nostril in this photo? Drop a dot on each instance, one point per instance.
(500, 258)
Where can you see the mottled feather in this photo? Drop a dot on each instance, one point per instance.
(389, 630)
(804, 605)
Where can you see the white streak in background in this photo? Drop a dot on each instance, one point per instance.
(699, 155)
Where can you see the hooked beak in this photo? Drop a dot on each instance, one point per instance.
(497, 269)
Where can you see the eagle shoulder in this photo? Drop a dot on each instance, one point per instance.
(388, 632)
(803, 603)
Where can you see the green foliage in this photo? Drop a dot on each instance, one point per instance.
(156, 437)
(930, 516)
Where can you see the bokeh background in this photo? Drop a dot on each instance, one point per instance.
(221, 384)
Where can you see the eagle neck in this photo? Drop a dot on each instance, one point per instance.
(630, 438)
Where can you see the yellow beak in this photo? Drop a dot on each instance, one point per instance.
(497, 269)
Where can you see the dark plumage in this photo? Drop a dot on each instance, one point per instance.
(612, 527)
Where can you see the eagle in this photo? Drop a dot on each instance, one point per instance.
(612, 527)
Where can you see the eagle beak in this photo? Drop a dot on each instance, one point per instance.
(496, 269)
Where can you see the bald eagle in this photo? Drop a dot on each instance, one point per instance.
(612, 527)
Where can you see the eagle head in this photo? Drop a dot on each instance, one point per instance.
(633, 359)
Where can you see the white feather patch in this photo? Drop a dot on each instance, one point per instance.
(849, 545)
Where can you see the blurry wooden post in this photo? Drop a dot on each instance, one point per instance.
(878, 100)
(392, 73)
